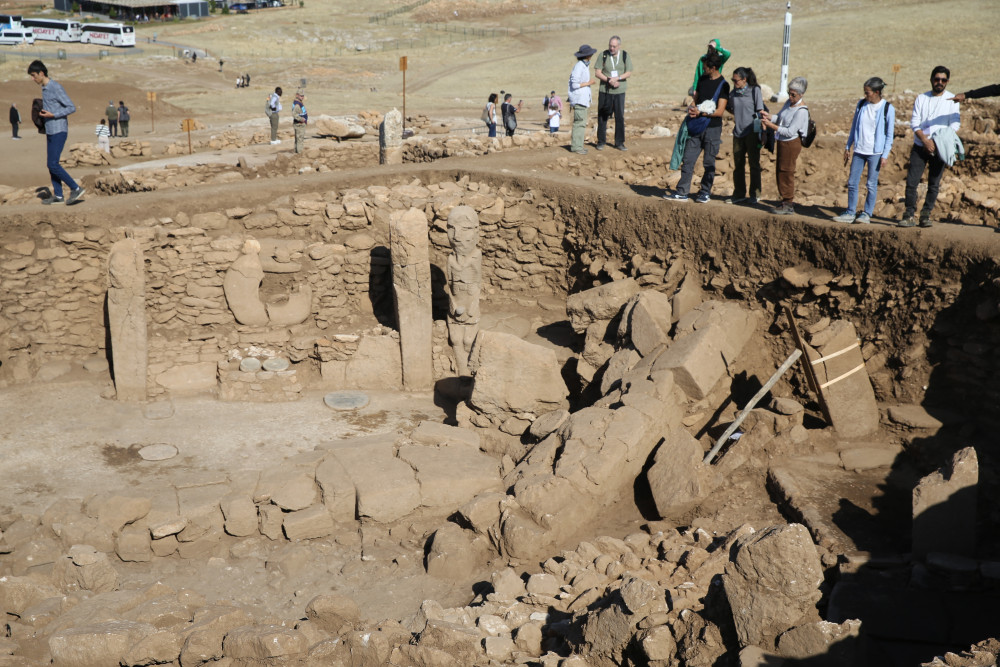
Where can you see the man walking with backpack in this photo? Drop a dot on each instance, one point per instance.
(56, 107)
(272, 110)
(612, 68)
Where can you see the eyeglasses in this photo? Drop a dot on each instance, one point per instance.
(942, 79)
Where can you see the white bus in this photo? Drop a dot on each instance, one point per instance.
(10, 21)
(111, 34)
(13, 36)
(56, 30)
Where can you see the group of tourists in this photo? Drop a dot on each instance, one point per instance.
(934, 121)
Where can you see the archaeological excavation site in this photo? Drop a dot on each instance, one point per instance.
(487, 404)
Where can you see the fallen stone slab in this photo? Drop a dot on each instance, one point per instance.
(435, 433)
(772, 583)
(913, 416)
(452, 475)
(599, 303)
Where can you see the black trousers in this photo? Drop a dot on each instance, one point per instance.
(608, 104)
(921, 159)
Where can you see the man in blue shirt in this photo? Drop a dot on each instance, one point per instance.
(56, 106)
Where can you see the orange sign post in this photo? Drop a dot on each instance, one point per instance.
(402, 68)
(186, 126)
(151, 96)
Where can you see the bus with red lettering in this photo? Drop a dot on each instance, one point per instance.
(110, 34)
(56, 30)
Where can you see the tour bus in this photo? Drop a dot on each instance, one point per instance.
(10, 21)
(56, 30)
(12, 36)
(112, 34)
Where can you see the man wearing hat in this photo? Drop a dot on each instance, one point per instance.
(579, 96)
(612, 67)
(112, 113)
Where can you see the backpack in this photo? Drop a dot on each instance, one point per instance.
(699, 124)
(810, 137)
(267, 107)
(509, 117)
(487, 117)
(36, 107)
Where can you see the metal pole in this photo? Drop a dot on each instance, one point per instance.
(792, 358)
(786, 46)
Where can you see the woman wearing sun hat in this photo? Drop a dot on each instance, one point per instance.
(579, 96)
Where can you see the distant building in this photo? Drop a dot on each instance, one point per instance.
(130, 10)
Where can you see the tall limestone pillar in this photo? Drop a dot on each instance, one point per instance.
(390, 138)
(127, 319)
(411, 287)
(465, 279)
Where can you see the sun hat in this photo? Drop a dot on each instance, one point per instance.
(586, 50)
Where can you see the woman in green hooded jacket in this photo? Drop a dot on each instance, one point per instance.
(713, 45)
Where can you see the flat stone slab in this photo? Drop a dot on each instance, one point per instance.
(913, 416)
(250, 365)
(275, 364)
(346, 400)
(158, 452)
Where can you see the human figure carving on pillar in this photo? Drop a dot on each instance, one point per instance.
(465, 278)
(127, 319)
(411, 287)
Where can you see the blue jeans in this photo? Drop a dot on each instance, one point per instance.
(53, 150)
(493, 129)
(858, 163)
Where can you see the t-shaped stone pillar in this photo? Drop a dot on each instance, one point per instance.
(127, 319)
(465, 278)
(390, 138)
(411, 286)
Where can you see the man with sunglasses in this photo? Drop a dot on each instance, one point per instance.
(932, 111)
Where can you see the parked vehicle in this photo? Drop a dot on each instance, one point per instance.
(110, 34)
(12, 36)
(56, 30)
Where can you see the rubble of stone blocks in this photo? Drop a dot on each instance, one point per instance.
(652, 373)
(649, 598)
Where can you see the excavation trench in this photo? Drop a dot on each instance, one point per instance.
(924, 303)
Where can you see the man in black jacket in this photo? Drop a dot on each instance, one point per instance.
(985, 91)
(15, 120)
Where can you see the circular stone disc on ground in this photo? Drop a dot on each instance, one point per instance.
(275, 364)
(250, 365)
(158, 452)
(346, 400)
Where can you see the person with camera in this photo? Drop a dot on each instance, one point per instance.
(613, 67)
(746, 102)
(790, 125)
(509, 113)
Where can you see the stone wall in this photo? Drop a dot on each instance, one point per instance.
(335, 244)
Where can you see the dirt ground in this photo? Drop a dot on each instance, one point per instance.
(61, 438)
